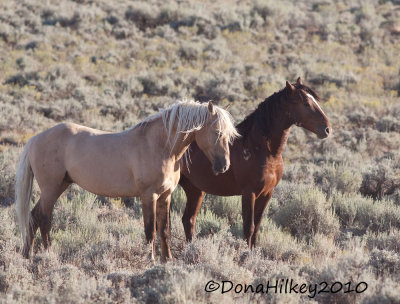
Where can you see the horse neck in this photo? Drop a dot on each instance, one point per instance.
(275, 137)
(181, 144)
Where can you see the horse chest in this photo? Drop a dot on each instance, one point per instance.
(170, 176)
(265, 174)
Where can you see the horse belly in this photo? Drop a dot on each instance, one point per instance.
(105, 181)
(100, 169)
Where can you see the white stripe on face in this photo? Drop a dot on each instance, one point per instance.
(315, 102)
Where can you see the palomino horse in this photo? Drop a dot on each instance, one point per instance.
(146, 164)
(256, 157)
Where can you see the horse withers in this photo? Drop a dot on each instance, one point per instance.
(256, 157)
(146, 164)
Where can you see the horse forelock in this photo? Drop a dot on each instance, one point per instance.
(308, 90)
(226, 126)
(188, 116)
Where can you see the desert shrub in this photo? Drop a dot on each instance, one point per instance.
(381, 179)
(109, 66)
(283, 192)
(229, 19)
(143, 15)
(305, 213)
(147, 288)
(378, 143)
(75, 225)
(321, 247)
(8, 164)
(351, 266)
(213, 254)
(278, 272)
(266, 10)
(7, 227)
(388, 124)
(135, 87)
(302, 173)
(385, 293)
(156, 85)
(278, 244)
(342, 178)
(385, 240)
(208, 223)
(336, 76)
(178, 200)
(384, 262)
(11, 116)
(189, 51)
(353, 141)
(354, 210)
(394, 197)
(225, 207)
(361, 120)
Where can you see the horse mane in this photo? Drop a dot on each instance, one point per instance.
(189, 116)
(263, 115)
(267, 111)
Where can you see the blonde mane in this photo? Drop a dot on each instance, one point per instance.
(189, 116)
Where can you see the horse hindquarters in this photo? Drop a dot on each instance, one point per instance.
(52, 184)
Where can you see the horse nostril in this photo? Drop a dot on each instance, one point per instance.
(327, 131)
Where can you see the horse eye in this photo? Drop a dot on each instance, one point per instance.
(307, 104)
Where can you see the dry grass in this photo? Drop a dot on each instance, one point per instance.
(334, 217)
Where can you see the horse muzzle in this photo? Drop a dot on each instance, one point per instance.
(324, 133)
(221, 165)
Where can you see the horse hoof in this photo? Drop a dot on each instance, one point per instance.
(167, 260)
(26, 253)
(151, 258)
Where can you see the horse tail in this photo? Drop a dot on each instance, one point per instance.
(23, 191)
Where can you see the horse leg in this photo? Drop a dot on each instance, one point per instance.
(45, 211)
(41, 216)
(163, 225)
(194, 200)
(149, 202)
(260, 205)
(248, 200)
(34, 225)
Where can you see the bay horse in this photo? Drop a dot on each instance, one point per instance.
(141, 161)
(256, 157)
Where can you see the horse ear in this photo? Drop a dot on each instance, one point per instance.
(290, 87)
(211, 107)
(299, 81)
(227, 107)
